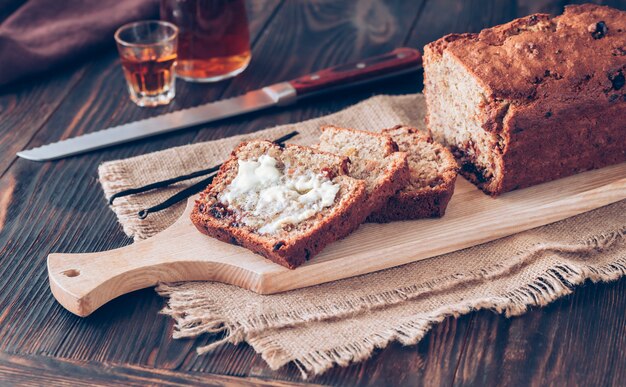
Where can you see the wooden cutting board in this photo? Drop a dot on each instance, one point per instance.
(84, 282)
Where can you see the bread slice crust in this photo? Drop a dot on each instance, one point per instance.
(424, 196)
(289, 248)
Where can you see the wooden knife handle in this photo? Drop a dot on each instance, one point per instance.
(399, 60)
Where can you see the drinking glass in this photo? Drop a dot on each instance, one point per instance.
(148, 55)
(214, 40)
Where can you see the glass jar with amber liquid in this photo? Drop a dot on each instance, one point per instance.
(213, 40)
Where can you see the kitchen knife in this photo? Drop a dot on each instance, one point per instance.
(397, 62)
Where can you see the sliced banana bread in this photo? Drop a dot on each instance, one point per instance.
(433, 172)
(285, 204)
(374, 158)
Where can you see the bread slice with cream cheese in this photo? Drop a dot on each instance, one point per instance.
(284, 203)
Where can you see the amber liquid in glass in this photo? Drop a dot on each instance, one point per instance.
(147, 74)
(213, 41)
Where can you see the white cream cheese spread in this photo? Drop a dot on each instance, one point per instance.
(268, 200)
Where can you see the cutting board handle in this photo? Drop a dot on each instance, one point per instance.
(84, 282)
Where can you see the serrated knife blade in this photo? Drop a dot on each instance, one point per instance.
(278, 94)
(397, 62)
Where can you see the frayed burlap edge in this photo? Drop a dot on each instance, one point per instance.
(194, 317)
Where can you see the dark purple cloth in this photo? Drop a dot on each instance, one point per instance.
(38, 35)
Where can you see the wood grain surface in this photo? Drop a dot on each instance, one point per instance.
(58, 206)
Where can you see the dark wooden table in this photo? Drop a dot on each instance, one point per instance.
(59, 206)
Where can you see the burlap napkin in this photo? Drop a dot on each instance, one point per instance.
(344, 321)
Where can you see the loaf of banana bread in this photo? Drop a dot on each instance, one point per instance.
(533, 100)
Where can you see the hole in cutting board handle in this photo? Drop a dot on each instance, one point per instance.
(71, 273)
